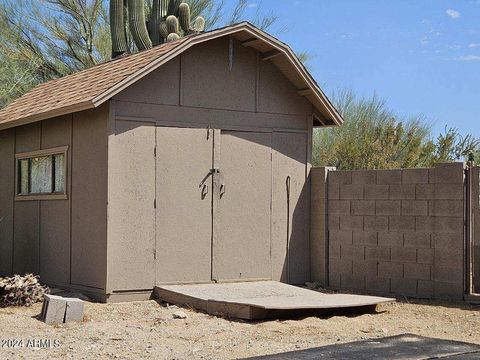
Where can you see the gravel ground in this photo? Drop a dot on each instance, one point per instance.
(149, 330)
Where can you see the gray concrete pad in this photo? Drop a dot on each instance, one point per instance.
(259, 299)
(407, 346)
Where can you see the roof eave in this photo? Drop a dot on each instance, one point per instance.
(47, 115)
(317, 92)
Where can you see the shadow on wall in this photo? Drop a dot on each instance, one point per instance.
(296, 267)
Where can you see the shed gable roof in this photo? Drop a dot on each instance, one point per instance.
(92, 87)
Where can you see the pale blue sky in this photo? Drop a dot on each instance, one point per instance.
(422, 57)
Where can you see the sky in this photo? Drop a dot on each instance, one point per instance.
(422, 57)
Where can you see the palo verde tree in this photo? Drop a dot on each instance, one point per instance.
(374, 137)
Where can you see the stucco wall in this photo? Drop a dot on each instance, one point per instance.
(131, 212)
(63, 241)
(390, 231)
(201, 89)
(89, 198)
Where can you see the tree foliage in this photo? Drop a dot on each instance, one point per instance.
(374, 137)
(48, 39)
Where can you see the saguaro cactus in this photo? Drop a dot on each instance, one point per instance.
(138, 27)
(173, 6)
(117, 28)
(163, 30)
(159, 11)
(169, 20)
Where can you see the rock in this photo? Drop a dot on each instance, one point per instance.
(74, 311)
(57, 310)
(53, 309)
(179, 315)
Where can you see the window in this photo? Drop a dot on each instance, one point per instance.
(41, 173)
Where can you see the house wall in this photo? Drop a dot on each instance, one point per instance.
(395, 232)
(199, 88)
(89, 198)
(64, 241)
(7, 174)
(131, 211)
(205, 88)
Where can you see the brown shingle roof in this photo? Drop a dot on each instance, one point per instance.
(92, 87)
(80, 88)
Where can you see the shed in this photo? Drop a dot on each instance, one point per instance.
(185, 163)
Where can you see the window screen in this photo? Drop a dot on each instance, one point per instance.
(42, 175)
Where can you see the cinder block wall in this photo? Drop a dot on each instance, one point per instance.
(395, 232)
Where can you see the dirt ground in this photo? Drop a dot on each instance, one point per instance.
(148, 330)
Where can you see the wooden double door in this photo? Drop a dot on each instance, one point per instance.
(213, 215)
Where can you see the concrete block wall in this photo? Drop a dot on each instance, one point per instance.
(397, 232)
(318, 230)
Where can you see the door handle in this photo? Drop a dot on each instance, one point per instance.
(222, 190)
(212, 172)
(204, 191)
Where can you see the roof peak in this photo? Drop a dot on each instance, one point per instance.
(92, 87)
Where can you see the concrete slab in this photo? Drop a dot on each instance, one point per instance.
(259, 299)
(406, 346)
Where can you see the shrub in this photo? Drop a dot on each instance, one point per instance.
(21, 290)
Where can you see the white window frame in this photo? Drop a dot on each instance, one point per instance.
(39, 153)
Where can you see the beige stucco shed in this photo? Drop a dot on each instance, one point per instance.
(185, 163)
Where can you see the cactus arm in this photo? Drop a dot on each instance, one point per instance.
(117, 28)
(163, 30)
(199, 24)
(154, 24)
(172, 24)
(138, 28)
(184, 17)
(172, 37)
(173, 6)
(159, 11)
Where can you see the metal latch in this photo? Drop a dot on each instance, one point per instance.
(211, 172)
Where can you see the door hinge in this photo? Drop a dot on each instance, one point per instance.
(155, 151)
(154, 254)
(154, 203)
